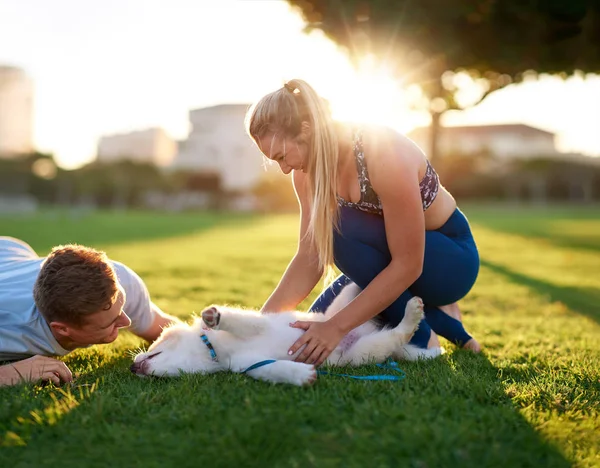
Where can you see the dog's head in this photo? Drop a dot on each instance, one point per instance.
(178, 349)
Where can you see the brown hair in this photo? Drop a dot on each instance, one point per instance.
(283, 111)
(74, 281)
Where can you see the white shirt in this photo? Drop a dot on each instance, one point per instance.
(23, 330)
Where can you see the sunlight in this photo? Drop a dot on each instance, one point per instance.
(63, 402)
(371, 95)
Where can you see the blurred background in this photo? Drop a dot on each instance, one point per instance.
(135, 104)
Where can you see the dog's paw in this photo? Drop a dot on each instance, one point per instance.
(415, 308)
(304, 374)
(211, 317)
(413, 315)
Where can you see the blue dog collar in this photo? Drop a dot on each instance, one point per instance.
(211, 350)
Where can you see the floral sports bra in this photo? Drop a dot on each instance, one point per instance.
(369, 200)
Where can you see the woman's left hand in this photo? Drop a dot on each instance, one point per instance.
(320, 338)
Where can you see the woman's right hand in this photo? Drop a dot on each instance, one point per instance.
(33, 369)
(303, 272)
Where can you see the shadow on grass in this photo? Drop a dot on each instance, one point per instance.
(581, 300)
(45, 230)
(544, 224)
(449, 412)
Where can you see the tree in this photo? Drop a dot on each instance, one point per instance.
(446, 46)
(29, 174)
(275, 193)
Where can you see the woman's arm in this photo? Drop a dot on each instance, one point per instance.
(394, 174)
(393, 169)
(303, 272)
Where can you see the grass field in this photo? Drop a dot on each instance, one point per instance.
(531, 399)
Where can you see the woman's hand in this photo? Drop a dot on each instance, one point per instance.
(320, 338)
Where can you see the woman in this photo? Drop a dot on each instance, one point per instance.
(371, 204)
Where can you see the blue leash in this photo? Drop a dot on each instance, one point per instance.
(259, 364)
(389, 365)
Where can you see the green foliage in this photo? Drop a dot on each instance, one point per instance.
(276, 194)
(18, 175)
(532, 399)
(427, 38)
(496, 43)
(117, 184)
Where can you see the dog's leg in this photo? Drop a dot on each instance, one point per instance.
(241, 323)
(295, 373)
(345, 297)
(410, 352)
(378, 346)
(414, 314)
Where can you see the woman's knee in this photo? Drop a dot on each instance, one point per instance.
(450, 269)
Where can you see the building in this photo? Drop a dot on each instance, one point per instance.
(507, 141)
(16, 112)
(152, 145)
(218, 144)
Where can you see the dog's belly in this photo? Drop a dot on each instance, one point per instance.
(280, 337)
(274, 344)
(349, 340)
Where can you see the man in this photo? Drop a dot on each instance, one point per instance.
(75, 297)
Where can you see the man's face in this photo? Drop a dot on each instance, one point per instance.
(103, 326)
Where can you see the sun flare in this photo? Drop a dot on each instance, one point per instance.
(371, 95)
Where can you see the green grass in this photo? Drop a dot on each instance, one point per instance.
(532, 399)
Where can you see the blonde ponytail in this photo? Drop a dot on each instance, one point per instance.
(284, 111)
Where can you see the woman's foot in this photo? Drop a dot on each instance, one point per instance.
(454, 311)
(472, 345)
(434, 341)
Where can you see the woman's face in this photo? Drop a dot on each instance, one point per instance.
(290, 153)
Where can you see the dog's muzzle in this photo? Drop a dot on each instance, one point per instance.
(141, 367)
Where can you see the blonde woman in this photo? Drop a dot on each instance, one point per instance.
(372, 205)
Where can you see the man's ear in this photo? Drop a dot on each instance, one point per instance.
(61, 329)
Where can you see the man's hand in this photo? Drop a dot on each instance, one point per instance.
(34, 369)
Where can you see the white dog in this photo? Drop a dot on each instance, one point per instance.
(235, 339)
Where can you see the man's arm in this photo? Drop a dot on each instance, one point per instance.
(33, 369)
(147, 320)
(160, 321)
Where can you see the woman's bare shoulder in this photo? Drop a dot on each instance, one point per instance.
(381, 143)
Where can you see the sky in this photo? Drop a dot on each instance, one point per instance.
(119, 65)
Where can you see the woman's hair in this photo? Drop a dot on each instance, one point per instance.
(281, 113)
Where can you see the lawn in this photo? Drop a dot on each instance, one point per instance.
(531, 399)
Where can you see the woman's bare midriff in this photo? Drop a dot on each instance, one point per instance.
(440, 210)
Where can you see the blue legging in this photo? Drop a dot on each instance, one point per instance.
(450, 268)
